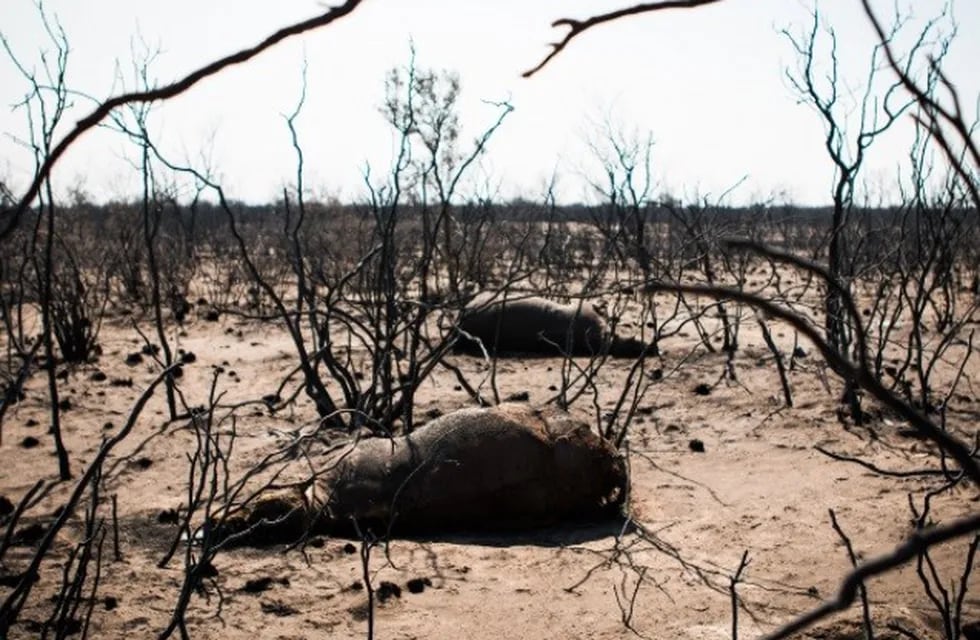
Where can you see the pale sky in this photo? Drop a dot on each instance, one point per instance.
(707, 84)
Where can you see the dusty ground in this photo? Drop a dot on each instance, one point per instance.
(759, 486)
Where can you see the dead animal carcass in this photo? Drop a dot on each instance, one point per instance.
(502, 467)
(538, 325)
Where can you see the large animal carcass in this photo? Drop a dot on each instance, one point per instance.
(483, 468)
(531, 324)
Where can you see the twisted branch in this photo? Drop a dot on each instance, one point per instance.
(576, 27)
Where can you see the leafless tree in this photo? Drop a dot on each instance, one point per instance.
(627, 189)
(45, 104)
(877, 108)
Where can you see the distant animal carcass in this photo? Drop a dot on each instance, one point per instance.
(483, 468)
(532, 324)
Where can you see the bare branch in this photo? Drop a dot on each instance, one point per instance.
(915, 473)
(937, 114)
(576, 27)
(910, 548)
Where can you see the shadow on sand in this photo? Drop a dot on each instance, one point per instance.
(562, 534)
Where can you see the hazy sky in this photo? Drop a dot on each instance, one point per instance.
(707, 84)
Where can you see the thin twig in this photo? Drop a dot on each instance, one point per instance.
(577, 27)
(862, 590)
(732, 586)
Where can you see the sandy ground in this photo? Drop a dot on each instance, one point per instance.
(759, 486)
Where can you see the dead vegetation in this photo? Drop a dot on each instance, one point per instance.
(794, 436)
